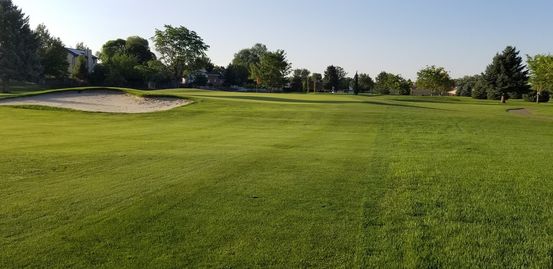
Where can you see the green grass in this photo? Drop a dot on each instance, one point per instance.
(240, 180)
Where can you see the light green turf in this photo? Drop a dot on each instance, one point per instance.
(240, 180)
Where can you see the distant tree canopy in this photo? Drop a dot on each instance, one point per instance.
(239, 71)
(180, 48)
(19, 58)
(541, 72)
(250, 56)
(127, 62)
(52, 54)
(316, 82)
(387, 83)
(300, 80)
(334, 77)
(271, 71)
(435, 79)
(466, 84)
(366, 83)
(134, 46)
(506, 76)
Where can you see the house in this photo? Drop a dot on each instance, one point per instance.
(73, 54)
(215, 79)
(209, 78)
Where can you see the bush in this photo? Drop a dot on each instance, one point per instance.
(545, 96)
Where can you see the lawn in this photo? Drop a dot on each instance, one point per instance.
(240, 180)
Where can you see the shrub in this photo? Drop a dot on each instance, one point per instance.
(545, 96)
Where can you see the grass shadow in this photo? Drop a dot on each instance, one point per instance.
(303, 101)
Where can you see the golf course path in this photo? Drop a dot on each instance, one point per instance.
(100, 101)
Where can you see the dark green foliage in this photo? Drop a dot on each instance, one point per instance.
(112, 48)
(435, 79)
(299, 82)
(80, 70)
(53, 55)
(466, 84)
(480, 89)
(545, 96)
(366, 83)
(250, 56)
(334, 77)
(507, 76)
(139, 48)
(19, 59)
(155, 71)
(240, 70)
(236, 75)
(99, 75)
(127, 62)
(387, 83)
(356, 84)
(180, 49)
(82, 46)
(271, 71)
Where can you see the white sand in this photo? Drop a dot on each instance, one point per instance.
(99, 101)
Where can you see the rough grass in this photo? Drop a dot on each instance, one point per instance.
(279, 180)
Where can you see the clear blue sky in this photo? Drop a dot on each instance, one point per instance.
(399, 36)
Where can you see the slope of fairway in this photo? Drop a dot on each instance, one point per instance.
(279, 180)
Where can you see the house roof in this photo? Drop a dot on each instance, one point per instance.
(77, 52)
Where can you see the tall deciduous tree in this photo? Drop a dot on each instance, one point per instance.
(179, 48)
(139, 48)
(387, 83)
(507, 76)
(272, 69)
(435, 79)
(333, 77)
(18, 46)
(53, 54)
(247, 57)
(541, 72)
(300, 80)
(366, 83)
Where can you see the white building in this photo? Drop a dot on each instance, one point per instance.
(73, 54)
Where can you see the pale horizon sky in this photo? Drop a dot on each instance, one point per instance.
(398, 36)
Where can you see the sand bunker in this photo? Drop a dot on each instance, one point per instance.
(520, 111)
(99, 101)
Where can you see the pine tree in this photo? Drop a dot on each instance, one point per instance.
(18, 46)
(356, 84)
(507, 76)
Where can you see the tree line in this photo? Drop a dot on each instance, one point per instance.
(36, 55)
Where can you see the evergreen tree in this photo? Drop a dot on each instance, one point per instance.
(80, 70)
(366, 83)
(356, 84)
(271, 71)
(53, 55)
(334, 76)
(18, 46)
(507, 76)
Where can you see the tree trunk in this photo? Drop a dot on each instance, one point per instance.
(503, 99)
(538, 97)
